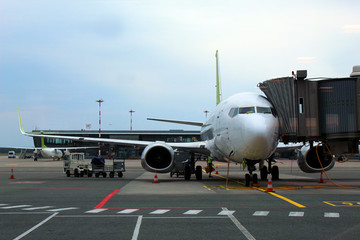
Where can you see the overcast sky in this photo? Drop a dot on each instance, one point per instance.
(157, 57)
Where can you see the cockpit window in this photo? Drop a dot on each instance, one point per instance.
(246, 110)
(266, 110)
(233, 112)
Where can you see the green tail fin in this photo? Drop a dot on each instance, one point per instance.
(218, 80)
(42, 141)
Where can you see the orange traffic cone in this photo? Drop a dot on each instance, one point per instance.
(322, 178)
(156, 178)
(12, 174)
(269, 186)
(217, 172)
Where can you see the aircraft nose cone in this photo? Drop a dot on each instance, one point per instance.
(261, 139)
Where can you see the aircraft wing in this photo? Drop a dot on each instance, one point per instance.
(199, 147)
(181, 145)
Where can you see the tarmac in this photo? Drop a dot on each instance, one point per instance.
(42, 203)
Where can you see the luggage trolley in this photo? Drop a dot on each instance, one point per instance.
(99, 167)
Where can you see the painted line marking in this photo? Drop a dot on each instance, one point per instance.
(343, 203)
(127, 211)
(3, 204)
(332, 215)
(98, 210)
(107, 198)
(137, 228)
(287, 200)
(62, 209)
(35, 227)
(160, 211)
(244, 231)
(192, 212)
(225, 212)
(37, 208)
(296, 214)
(18, 206)
(261, 213)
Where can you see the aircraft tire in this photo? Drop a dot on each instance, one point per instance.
(111, 175)
(263, 173)
(187, 173)
(255, 178)
(275, 173)
(68, 173)
(198, 173)
(247, 180)
(97, 175)
(120, 174)
(104, 174)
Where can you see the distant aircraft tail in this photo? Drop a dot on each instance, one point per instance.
(42, 141)
(20, 122)
(25, 133)
(218, 80)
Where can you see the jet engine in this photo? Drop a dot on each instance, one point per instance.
(158, 156)
(308, 161)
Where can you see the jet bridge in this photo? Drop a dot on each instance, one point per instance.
(318, 109)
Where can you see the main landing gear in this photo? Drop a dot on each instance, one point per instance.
(274, 171)
(250, 176)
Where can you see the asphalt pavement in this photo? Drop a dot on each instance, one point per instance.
(42, 203)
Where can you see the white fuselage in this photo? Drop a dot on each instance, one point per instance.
(52, 153)
(242, 127)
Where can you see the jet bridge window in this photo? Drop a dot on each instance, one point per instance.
(246, 110)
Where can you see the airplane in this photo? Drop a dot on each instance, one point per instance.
(244, 129)
(56, 153)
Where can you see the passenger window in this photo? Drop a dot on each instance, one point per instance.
(246, 110)
(265, 110)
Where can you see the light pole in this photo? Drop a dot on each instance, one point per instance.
(131, 113)
(206, 113)
(99, 101)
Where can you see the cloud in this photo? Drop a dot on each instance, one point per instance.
(352, 29)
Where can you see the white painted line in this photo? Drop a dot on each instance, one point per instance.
(160, 211)
(331, 215)
(62, 209)
(239, 225)
(192, 212)
(296, 214)
(127, 211)
(37, 208)
(225, 212)
(35, 227)
(261, 213)
(98, 210)
(3, 204)
(17, 206)
(137, 228)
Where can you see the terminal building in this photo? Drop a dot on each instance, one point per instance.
(112, 149)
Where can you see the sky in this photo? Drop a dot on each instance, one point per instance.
(157, 57)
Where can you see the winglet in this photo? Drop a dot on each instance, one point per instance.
(20, 122)
(218, 80)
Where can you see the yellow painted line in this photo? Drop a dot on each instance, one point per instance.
(287, 200)
(330, 204)
(263, 190)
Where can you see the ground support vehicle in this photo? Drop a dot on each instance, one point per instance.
(109, 167)
(184, 164)
(74, 164)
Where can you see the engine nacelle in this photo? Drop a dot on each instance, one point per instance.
(158, 156)
(308, 161)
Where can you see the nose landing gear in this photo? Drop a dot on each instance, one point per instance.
(250, 176)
